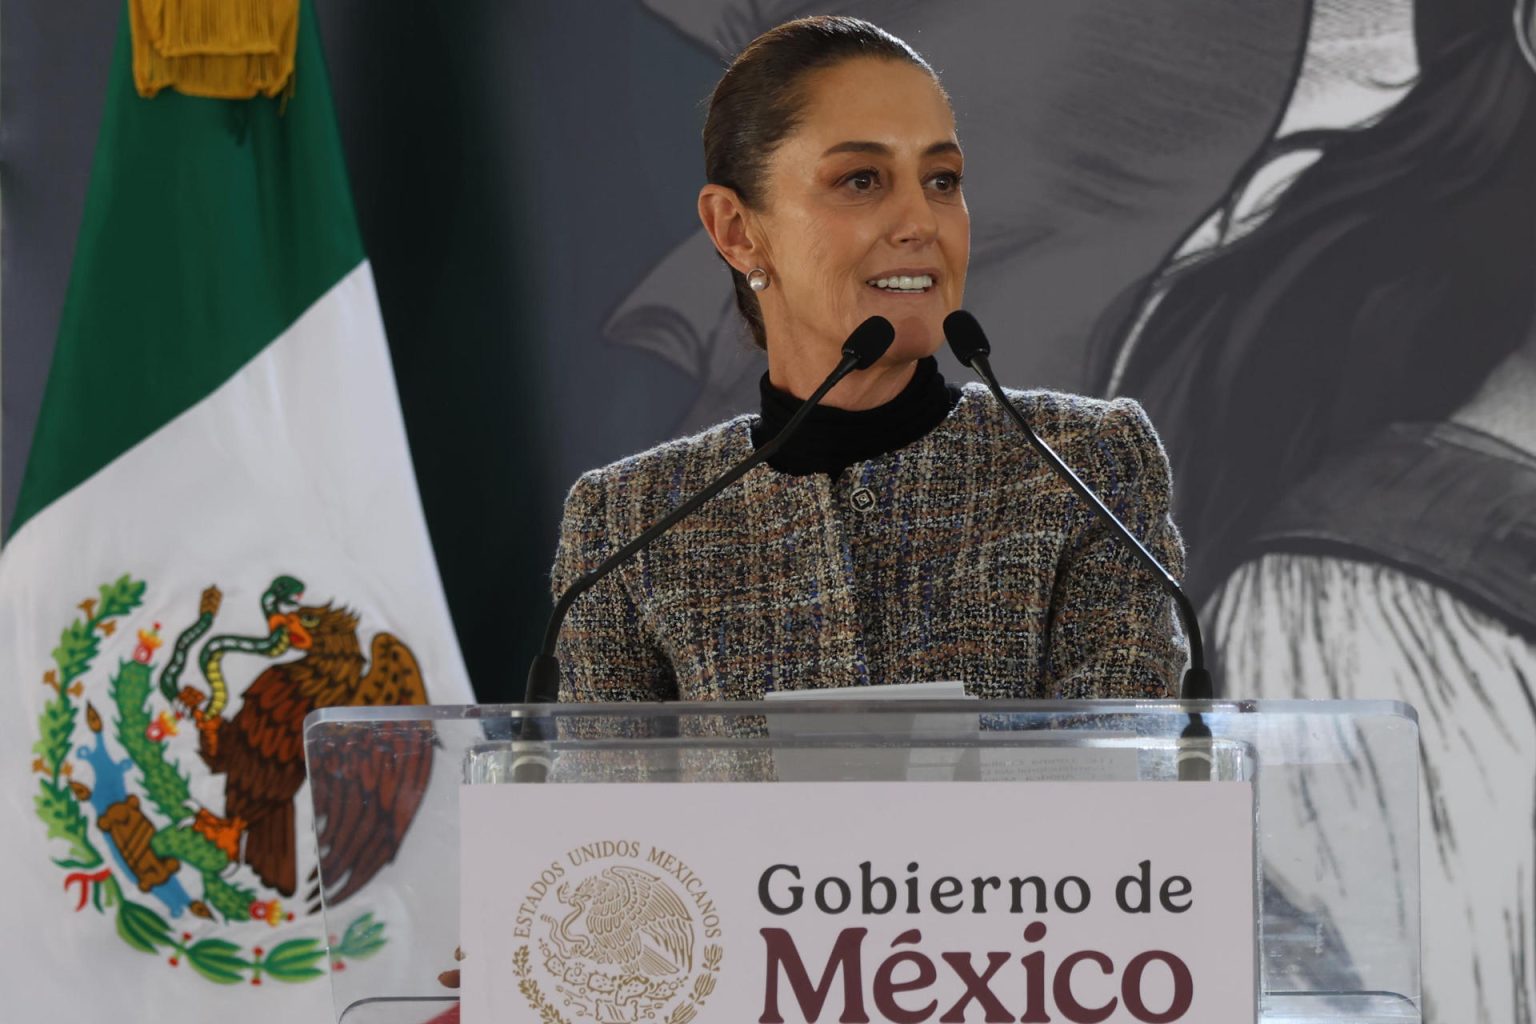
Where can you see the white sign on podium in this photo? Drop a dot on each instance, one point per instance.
(852, 902)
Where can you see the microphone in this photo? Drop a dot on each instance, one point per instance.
(864, 347)
(969, 344)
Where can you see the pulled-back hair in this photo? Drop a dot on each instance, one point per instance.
(760, 100)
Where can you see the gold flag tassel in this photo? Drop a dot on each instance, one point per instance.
(223, 49)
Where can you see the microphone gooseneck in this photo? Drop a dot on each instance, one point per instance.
(864, 347)
(969, 344)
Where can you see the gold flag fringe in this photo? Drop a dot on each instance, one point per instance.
(222, 49)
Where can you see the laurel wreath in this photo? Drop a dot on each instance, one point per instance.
(58, 804)
(703, 987)
(682, 1013)
(529, 987)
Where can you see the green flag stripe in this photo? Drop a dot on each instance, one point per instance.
(209, 226)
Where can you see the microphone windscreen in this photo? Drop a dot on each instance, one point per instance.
(869, 341)
(966, 338)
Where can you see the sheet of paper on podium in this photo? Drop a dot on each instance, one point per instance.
(954, 751)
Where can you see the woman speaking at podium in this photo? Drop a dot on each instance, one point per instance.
(907, 532)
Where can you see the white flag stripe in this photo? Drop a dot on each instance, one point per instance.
(297, 465)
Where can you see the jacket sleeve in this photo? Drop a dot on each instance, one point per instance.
(1114, 633)
(605, 651)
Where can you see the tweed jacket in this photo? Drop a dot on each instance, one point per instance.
(959, 557)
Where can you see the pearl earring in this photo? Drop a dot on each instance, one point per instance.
(757, 279)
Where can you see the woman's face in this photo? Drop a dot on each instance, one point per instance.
(864, 214)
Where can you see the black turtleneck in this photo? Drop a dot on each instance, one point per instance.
(831, 440)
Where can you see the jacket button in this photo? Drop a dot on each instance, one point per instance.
(862, 499)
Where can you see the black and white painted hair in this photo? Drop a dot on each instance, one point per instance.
(1382, 286)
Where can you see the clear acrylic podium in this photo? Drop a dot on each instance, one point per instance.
(1336, 786)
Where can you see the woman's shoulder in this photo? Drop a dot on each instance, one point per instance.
(665, 472)
(1064, 420)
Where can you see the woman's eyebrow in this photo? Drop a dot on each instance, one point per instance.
(881, 149)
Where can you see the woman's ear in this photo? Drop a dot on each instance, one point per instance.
(731, 227)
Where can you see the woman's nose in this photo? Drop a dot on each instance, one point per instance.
(913, 221)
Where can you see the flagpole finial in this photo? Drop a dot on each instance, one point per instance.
(221, 49)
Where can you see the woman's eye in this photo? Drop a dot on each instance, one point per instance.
(946, 181)
(862, 181)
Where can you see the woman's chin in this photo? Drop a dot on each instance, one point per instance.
(917, 337)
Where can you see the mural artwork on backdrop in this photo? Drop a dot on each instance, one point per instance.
(1302, 234)
(192, 794)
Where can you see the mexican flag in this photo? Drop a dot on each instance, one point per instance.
(218, 531)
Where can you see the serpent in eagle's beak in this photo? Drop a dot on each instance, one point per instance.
(298, 635)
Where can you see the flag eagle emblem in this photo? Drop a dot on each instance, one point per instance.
(130, 762)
